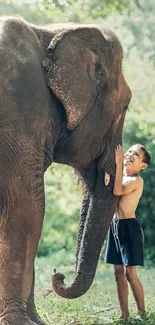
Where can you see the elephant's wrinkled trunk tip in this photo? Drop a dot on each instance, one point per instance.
(58, 284)
(79, 286)
(57, 278)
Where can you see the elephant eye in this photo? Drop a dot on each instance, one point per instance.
(98, 68)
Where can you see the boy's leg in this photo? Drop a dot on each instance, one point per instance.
(136, 286)
(122, 290)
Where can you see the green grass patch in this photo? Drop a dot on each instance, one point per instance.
(98, 306)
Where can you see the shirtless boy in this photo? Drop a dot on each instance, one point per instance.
(125, 238)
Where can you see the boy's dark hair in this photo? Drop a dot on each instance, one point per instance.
(147, 155)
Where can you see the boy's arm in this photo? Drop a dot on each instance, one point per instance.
(119, 159)
(129, 186)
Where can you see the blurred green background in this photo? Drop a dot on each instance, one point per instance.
(134, 23)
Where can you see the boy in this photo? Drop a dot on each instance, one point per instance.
(125, 238)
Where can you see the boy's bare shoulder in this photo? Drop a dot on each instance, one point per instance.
(133, 179)
(140, 181)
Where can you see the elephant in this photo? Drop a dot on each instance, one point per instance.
(63, 98)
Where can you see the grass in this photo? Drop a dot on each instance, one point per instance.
(98, 306)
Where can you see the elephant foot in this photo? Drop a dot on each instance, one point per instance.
(36, 319)
(33, 315)
(19, 316)
(14, 319)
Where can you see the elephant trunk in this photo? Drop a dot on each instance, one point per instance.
(83, 217)
(102, 205)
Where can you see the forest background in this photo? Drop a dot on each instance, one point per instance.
(134, 23)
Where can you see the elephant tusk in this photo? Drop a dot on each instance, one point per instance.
(106, 178)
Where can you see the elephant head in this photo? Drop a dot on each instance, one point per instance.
(83, 68)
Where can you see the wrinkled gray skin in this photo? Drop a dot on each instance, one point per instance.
(76, 120)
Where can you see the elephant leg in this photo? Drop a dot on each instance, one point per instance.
(31, 307)
(19, 237)
(12, 273)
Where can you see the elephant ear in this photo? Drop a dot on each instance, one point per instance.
(74, 71)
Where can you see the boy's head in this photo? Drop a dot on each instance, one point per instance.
(137, 158)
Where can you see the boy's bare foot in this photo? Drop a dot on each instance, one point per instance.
(122, 318)
(141, 316)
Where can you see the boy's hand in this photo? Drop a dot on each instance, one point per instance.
(119, 156)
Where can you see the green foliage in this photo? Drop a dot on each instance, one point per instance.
(140, 21)
(30, 13)
(140, 75)
(98, 306)
(62, 210)
(78, 11)
(144, 133)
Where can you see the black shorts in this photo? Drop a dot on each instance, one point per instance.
(125, 244)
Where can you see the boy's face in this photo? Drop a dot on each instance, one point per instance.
(133, 159)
